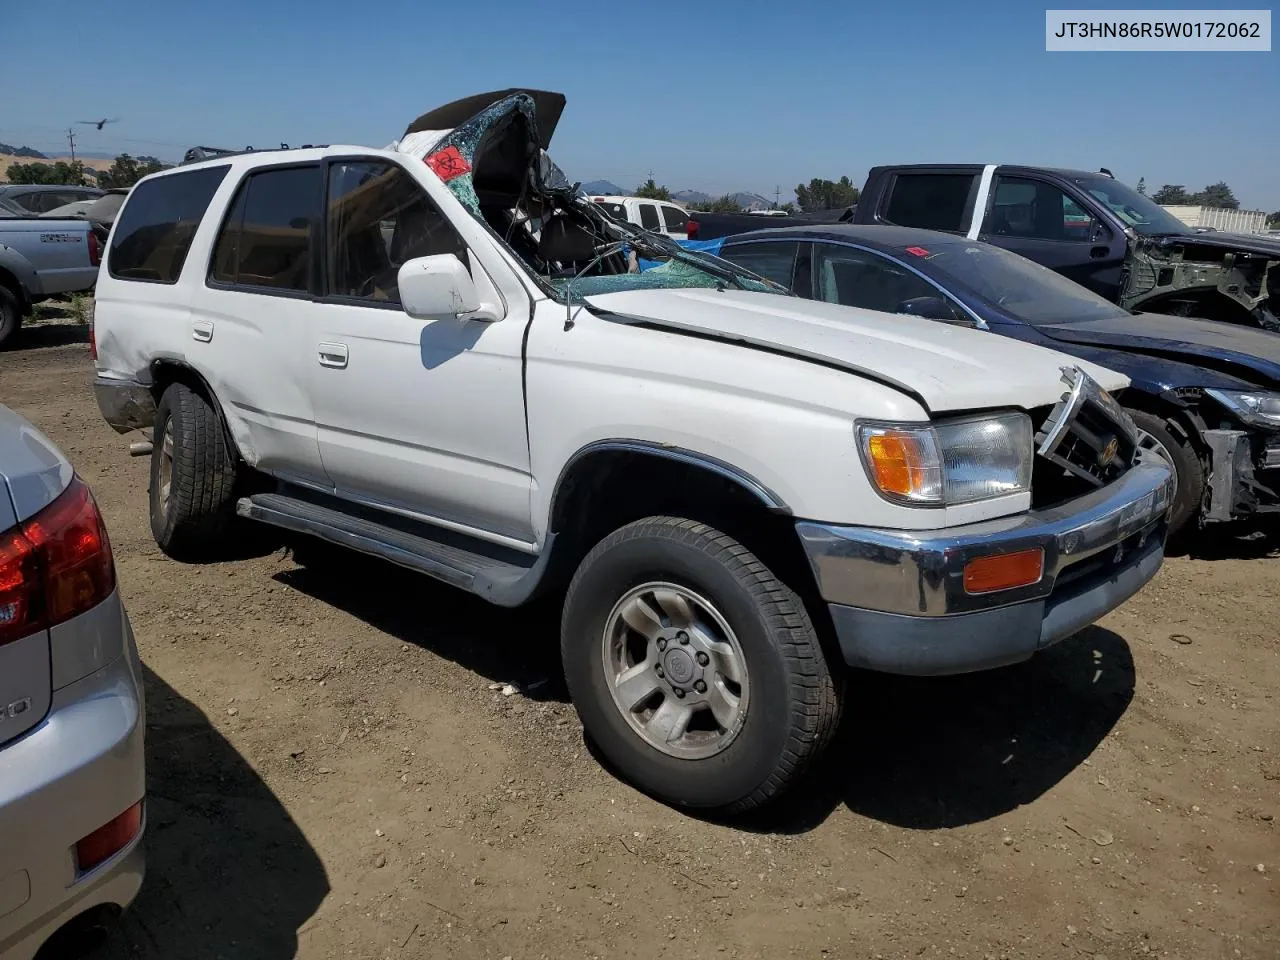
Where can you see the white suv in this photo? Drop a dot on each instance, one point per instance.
(437, 354)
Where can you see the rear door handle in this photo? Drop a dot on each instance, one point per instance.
(202, 330)
(333, 355)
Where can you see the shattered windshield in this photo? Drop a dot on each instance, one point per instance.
(1028, 291)
(1142, 213)
(573, 248)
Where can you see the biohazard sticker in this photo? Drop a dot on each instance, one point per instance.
(448, 163)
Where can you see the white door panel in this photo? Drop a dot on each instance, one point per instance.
(424, 416)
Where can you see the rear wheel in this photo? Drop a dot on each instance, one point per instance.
(10, 315)
(696, 671)
(193, 477)
(1160, 437)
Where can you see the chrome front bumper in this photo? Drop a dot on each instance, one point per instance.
(898, 601)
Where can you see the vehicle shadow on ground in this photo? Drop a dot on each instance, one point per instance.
(923, 753)
(521, 646)
(33, 335)
(1235, 542)
(229, 874)
(930, 753)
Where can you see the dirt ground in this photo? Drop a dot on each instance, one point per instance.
(335, 772)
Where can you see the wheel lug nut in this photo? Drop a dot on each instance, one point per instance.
(703, 659)
(662, 644)
(659, 669)
(682, 637)
(680, 692)
(700, 687)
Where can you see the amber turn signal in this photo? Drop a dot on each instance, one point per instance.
(1004, 571)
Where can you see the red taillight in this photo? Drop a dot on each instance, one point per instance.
(56, 565)
(93, 337)
(109, 839)
(691, 229)
(95, 249)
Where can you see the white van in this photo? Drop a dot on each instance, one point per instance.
(660, 216)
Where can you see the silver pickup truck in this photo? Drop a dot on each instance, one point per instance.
(39, 258)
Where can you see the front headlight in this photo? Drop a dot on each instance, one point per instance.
(949, 462)
(1257, 407)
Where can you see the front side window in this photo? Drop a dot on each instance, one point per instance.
(158, 221)
(379, 218)
(677, 219)
(649, 217)
(859, 278)
(266, 238)
(1036, 210)
(774, 260)
(931, 201)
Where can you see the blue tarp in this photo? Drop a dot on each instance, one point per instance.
(703, 246)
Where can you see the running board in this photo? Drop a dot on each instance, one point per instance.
(501, 576)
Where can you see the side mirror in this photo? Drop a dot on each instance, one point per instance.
(931, 308)
(438, 286)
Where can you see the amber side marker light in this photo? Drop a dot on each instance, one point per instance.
(1004, 571)
(109, 839)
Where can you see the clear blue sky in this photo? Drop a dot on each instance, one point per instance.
(710, 95)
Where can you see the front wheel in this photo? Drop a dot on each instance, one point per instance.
(1158, 436)
(697, 673)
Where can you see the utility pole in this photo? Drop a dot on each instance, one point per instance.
(777, 195)
(71, 139)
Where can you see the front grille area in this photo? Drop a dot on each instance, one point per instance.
(1084, 442)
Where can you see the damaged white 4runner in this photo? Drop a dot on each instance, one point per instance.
(443, 356)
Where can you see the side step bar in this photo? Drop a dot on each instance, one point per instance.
(498, 575)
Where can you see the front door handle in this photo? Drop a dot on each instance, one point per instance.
(202, 330)
(1097, 253)
(333, 355)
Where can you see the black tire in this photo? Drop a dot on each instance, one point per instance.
(794, 701)
(1187, 466)
(10, 316)
(194, 522)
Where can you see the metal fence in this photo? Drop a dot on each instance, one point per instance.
(1228, 221)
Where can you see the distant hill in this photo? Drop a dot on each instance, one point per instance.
(606, 187)
(24, 152)
(752, 201)
(92, 163)
(691, 196)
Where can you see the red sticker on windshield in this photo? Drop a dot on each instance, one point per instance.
(448, 163)
(917, 251)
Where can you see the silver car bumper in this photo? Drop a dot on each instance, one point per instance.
(898, 600)
(79, 769)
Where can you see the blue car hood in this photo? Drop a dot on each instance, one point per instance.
(1246, 352)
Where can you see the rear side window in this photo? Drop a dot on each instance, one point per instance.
(156, 226)
(774, 260)
(933, 201)
(266, 239)
(677, 219)
(649, 217)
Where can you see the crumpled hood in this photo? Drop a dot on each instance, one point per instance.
(1230, 347)
(947, 367)
(1250, 242)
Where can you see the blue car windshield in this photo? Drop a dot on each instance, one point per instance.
(1028, 291)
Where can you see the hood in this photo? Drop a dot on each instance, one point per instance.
(947, 368)
(547, 107)
(1231, 348)
(1250, 242)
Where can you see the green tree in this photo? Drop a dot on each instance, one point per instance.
(60, 172)
(125, 171)
(1217, 195)
(651, 191)
(1172, 194)
(788, 206)
(822, 194)
(1142, 186)
(1274, 219)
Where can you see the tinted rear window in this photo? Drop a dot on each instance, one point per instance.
(155, 228)
(932, 201)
